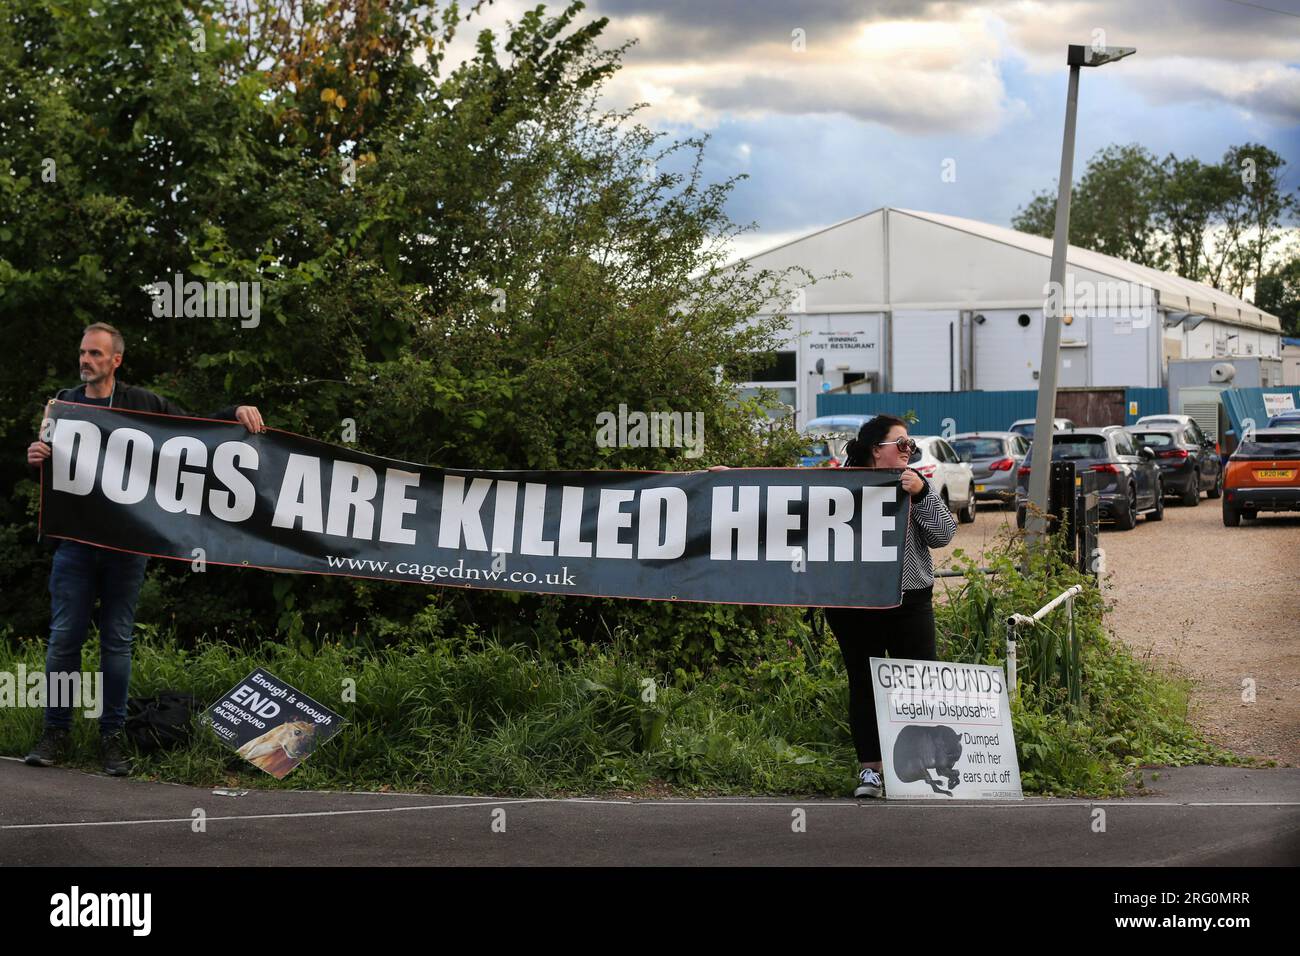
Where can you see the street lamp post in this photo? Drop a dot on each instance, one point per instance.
(1054, 306)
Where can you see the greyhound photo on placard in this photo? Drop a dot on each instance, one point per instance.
(945, 730)
(920, 750)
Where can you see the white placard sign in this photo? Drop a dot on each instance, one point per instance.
(1277, 402)
(945, 731)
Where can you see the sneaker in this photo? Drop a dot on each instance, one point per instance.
(113, 756)
(869, 784)
(50, 749)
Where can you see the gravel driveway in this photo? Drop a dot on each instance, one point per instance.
(1218, 605)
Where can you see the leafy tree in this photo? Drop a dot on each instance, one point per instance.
(1190, 196)
(338, 67)
(1112, 209)
(1211, 222)
(1038, 216)
(470, 267)
(1252, 213)
(1278, 291)
(1112, 206)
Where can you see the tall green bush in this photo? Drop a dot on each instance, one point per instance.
(467, 265)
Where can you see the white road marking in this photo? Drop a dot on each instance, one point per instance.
(252, 816)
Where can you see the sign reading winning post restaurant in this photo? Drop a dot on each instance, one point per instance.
(945, 730)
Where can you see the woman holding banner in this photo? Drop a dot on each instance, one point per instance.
(906, 631)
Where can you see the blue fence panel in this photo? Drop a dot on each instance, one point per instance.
(1150, 401)
(972, 411)
(969, 411)
(1243, 403)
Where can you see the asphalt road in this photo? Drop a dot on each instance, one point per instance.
(1194, 816)
(1215, 605)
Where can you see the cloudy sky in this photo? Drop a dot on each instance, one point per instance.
(836, 107)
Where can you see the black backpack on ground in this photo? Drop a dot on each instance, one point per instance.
(161, 722)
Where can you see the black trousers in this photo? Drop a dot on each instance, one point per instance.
(906, 631)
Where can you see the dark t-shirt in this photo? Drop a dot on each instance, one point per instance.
(78, 394)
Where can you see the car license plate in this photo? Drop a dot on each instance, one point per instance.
(980, 487)
(1275, 473)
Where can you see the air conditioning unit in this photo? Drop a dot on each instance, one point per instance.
(1205, 414)
(1204, 404)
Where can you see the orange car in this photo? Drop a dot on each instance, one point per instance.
(1263, 475)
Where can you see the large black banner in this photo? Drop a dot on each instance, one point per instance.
(202, 490)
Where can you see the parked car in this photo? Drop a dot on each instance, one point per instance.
(1165, 420)
(1187, 465)
(950, 477)
(1182, 421)
(827, 437)
(1025, 426)
(1287, 419)
(994, 458)
(820, 454)
(1263, 475)
(1129, 478)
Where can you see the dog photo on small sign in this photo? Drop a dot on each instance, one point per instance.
(271, 724)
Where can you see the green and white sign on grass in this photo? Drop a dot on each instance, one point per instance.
(945, 731)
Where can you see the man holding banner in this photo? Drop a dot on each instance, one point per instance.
(796, 537)
(82, 573)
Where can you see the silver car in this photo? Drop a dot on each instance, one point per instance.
(948, 475)
(1025, 426)
(994, 458)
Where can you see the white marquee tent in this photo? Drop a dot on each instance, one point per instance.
(939, 303)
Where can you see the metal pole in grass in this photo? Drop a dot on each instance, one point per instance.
(1013, 622)
(1070, 651)
(1011, 658)
(1070, 648)
(1076, 673)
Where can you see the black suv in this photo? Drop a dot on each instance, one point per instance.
(1129, 478)
(1188, 463)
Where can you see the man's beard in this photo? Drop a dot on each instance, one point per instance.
(90, 376)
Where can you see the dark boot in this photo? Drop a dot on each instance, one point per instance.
(51, 749)
(112, 754)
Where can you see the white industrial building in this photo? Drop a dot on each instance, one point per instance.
(938, 303)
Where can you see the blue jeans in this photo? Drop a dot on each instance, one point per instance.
(81, 573)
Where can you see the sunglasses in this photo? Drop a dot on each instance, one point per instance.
(905, 445)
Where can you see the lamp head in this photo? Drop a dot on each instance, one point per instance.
(1079, 55)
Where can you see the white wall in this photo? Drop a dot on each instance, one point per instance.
(1291, 365)
(930, 263)
(855, 247)
(1006, 355)
(1200, 342)
(1097, 350)
(925, 346)
(1124, 349)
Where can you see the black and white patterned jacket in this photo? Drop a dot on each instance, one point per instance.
(931, 526)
